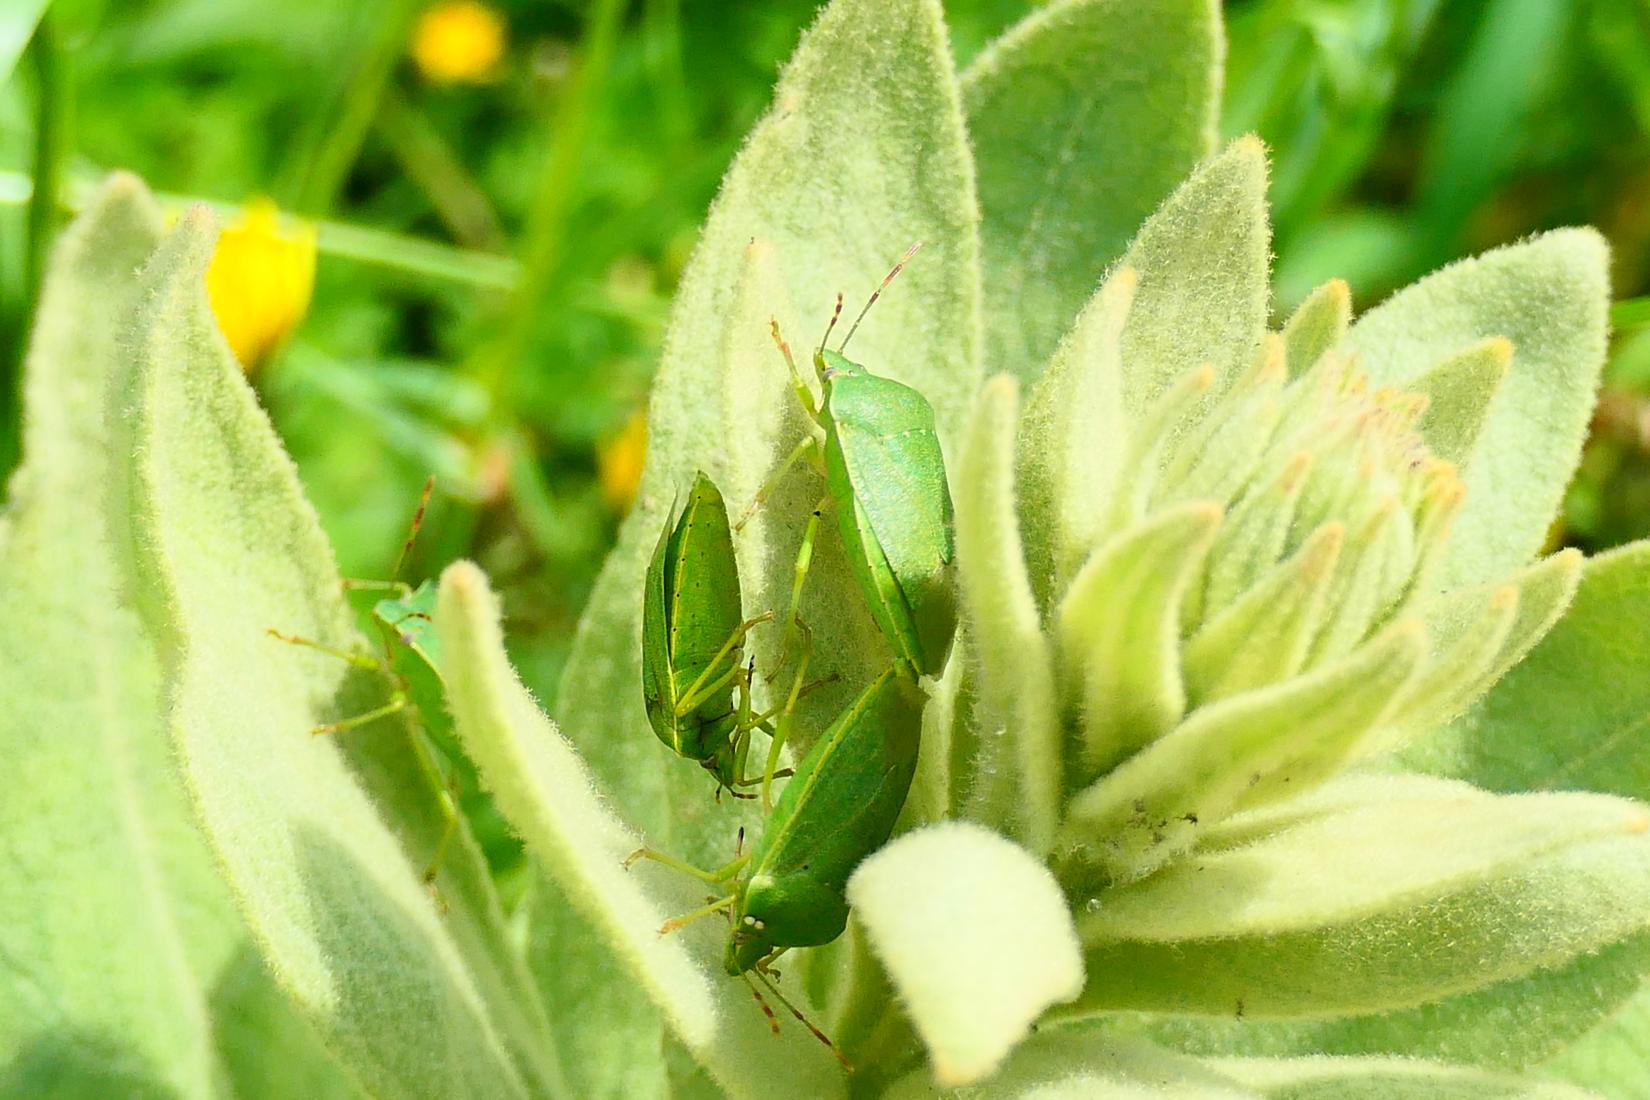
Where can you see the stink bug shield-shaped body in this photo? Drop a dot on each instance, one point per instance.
(885, 471)
(838, 808)
(885, 477)
(692, 634)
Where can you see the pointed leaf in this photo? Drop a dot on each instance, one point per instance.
(1073, 436)
(1203, 261)
(1264, 636)
(1317, 325)
(93, 820)
(1119, 630)
(224, 547)
(1289, 736)
(1073, 155)
(1387, 1079)
(1455, 889)
(543, 787)
(976, 936)
(1016, 689)
(863, 152)
(1075, 1063)
(1460, 392)
(1549, 296)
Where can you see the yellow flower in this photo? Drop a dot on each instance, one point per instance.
(619, 462)
(458, 42)
(260, 281)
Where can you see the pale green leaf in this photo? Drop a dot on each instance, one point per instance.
(1511, 1025)
(1281, 738)
(863, 153)
(1456, 889)
(976, 936)
(223, 547)
(1549, 296)
(1612, 1057)
(543, 787)
(1073, 154)
(1119, 630)
(615, 1050)
(1203, 262)
(1574, 713)
(1386, 1079)
(94, 822)
(1076, 1063)
(109, 901)
(1020, 784)
(1539, 595)
(1072, 441)
(1317, 325)
(1460, 392)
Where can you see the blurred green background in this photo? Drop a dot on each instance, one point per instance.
(498, 252)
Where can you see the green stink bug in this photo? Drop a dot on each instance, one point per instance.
(885, 473)
(841, 805)
(693, 635)
(693, 643)
(409, 658)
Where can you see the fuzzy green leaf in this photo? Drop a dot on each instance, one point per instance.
(543, 787)
(93, 820)
(1612, 1057)
(1074, 1063)
(1203, 262)
(1073, 154)
(1456, 889)
(1511, 1025)
(1386, 1079)
(1281, 738)
(1549, 296)
(1021, 782)
(1072, 440)
(863, 152)
(223, 548)
(1119, 630)
(976, 936)
(1571, 715)
(109, 900)
(1460, 393)
(616, 1050)
(1316, 326)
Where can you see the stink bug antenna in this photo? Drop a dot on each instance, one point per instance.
(807, 1023)
(836, 315)
(767, 1010)
(417, 522)
(875, 294)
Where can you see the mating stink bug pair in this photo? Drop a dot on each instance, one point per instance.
(873, 439)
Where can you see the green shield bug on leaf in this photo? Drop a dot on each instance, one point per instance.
(693, 640)
(404, 624)
(885, 474)
(839, 807)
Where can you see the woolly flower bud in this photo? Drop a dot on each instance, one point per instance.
(260, 281)
(1245, 596)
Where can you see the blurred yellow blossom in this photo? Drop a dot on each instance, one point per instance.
(458, 42)
(260, 280)
(619, 462)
